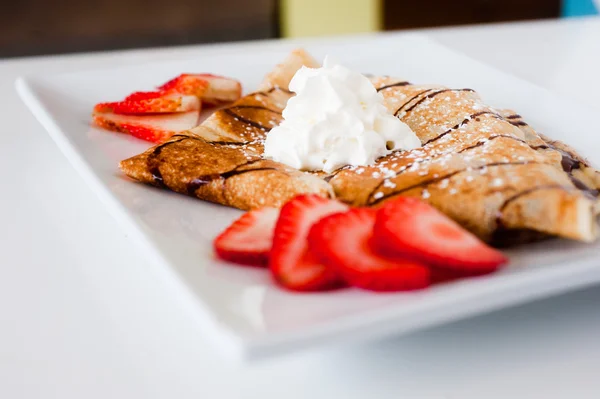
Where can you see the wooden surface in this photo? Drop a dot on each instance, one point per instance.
(409, 14)
(41, 27)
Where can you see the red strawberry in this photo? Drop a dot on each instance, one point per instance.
(248, 240)
(155, 128)
(211, 89)
(188, 84)
(292, 264)
(144, 95)
(343, 243)
(408, 227)
(150, 102)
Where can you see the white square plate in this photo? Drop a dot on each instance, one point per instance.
(241, 307)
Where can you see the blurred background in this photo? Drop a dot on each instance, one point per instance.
(35, 27)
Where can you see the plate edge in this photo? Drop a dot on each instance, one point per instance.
(230, 344)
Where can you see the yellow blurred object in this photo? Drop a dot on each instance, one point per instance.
(300, 18)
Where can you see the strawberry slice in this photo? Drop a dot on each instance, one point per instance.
(156, 128)
(249, 239)
(293, 265)
(211, 89)
(150, 102)
(343, 243)
(408, 227)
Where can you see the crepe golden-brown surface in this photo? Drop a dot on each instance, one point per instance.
(220, 160)
(487, 169)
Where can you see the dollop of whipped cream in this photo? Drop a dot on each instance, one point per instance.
(337, 118)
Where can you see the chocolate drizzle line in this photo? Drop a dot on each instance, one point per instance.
(480, 143)
(230, 143)
(525, 192)
(461, 124)
(503, 236)
(446, 176)
(246, 121)
(224, 143)
(335, 173)
(518, 123)
(514, 116)
(410, 99)
(271, 90)
(254, 107)
(398, 84)
(198, 182)
(570, 163)
(153, 165)
(431, 95)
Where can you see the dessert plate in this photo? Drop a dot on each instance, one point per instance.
(243, 311)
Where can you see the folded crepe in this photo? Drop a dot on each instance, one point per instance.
(221, 160)
(486, 169)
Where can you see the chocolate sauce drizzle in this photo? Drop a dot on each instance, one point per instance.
(335, 173)
(504, 236)
(198, 182)
(461, 124)
(440, 178)
(153, 164)
(530, 190)
(255, 107)
(230, 143)
(429, 96)
(518, 123)
(246, 120)
(398, 84)
(570, 163)
(410, 99)
(481, 143)
(218, 142)
(229, 111)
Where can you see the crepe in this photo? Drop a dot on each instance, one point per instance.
(486, 169)
(220, 160)
(493, 174)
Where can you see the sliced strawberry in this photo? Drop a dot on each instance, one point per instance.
(150, 102)
(221, 90)
(343, 243)
(188, 84)
(155, 128)
(249, 239)
(292, 264)
(408, 227)
(439, 275)
(144, 95)
(211, 89)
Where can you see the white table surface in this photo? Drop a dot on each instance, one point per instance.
(69, 329)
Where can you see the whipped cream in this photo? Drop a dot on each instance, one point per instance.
(337, 118)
